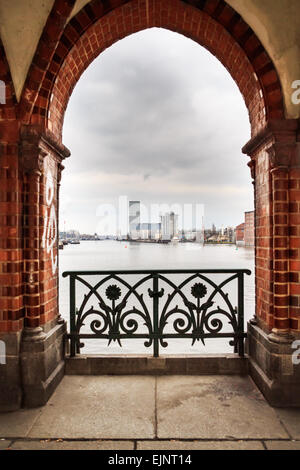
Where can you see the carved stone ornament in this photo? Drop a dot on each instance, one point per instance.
(281, 155)
(60, 169)
(252, 165)
(36, 145)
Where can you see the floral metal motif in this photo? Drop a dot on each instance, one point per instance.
(196, 318)
(199, 291)
(113, 292)
(117, 319)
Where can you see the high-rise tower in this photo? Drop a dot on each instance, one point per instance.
(134, 219)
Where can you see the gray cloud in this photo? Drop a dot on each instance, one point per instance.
(158, 104)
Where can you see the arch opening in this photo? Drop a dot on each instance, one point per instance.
(216, 27)
(150, 130)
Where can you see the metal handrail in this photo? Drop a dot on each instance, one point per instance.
(195, 315)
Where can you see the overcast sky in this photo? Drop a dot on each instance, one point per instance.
(155, 118)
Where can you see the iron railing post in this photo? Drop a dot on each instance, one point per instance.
(241, 314)
(72, 317)
(155, 316)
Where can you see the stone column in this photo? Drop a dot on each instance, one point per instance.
(42, 346)
(33, 166)
(280, 155)
(11, 265)
(59, 174)
(276, 154)
(251, 165)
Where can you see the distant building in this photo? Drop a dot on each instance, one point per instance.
(249, 228)
(240, 234)
(169, 226)
(229, 233)
(149, 231)
(200, 236)
(134, 219)
(88, 236)
(190, 235)
(245, 233)
(69, 235)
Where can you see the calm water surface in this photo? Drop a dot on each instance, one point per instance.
(101, 255)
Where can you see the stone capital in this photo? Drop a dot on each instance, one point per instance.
(33, 162)
(252, 166)
(282, 132)
(60, 169)
(36, 144)
(282, 155)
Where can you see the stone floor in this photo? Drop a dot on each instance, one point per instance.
(159, 413)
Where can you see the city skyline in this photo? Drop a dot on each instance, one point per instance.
(122, 219)
(125, 218)
(168, 231)
(143, 225)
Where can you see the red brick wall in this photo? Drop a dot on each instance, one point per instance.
(249, 229)
(275, 155)
(28, 281)
(264, 244)
(294, 231)
(240, 233)
(11, 247)
(64, 53)
(176, 16)
(49, 241)
(11, 244)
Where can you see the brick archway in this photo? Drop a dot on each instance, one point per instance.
(31, 163)
(211, 23)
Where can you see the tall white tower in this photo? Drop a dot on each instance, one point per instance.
(134, 219)
(169, 226)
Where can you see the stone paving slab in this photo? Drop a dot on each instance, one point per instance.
(283, 445)
(200, 445)
(4, 444)
(291, 419)
(18, 423)
(147, 445)
(99, 407)
(214, 407)
(213, 411)
(73, 445)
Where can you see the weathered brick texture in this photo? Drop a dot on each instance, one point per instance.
(217, 27)
(275, 157)
(31, 150)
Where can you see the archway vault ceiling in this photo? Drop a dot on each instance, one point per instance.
(275, 22)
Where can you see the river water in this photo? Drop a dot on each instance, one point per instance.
(114, 255)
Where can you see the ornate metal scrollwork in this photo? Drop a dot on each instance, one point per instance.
(197, 319)
(114, 321)
(198, 308)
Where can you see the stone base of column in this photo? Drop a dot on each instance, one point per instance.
(271, 367)
(10, 380)
(42, 363)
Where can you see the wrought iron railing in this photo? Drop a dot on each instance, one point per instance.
(157, 306)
